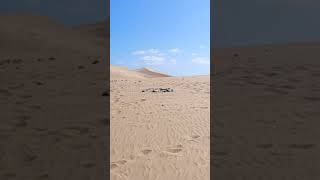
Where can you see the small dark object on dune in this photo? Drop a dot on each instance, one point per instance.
(235, 55)
(95, 62)
(5, 61)
(52, 58)
(38, 83)
(80, 67)
(166, 90)
(106, 93)
(156, 90)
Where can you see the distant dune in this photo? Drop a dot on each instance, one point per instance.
(26, 33)
(123, 72)
(117, 72)
(148, 72)
(99, 29)
(97, 32)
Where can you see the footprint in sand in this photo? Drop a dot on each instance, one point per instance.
(175, 149)
(179, 146)
(195, 136)
(146, 151)
(113, 166)
(122, 162)
(117, 164)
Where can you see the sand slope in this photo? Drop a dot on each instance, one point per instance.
(118, 72)
(158, 135)
(26, 33)
(151, 73)
(266, 115)
(53, 113)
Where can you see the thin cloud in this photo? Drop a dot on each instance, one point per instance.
(138, 52)
(151, 56)
(149, 51)
(156, 57)
(153, 59)
(201, 60)
(175, 50)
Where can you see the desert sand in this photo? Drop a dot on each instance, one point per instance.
(159, 134)
(265, 123)
(53, 120)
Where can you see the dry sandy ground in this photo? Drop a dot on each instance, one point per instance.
(53, 120)
(159, 135)
(266, 113)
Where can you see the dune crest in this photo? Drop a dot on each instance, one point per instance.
(148, 72)
(123, 72)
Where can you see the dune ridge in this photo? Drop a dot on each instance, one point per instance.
(123, 72)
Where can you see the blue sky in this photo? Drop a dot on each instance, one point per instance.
(172, 36)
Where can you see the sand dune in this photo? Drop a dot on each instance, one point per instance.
(99, 29)
(98, 32)
(266, 115)
(53, 106)
(25, 33)
(148, 72)
(117, 72)
(159, 125)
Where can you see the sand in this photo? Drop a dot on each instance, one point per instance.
(53, 120)
(266, 112)
(159, 135)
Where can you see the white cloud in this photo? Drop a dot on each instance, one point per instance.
(201, 60)
(194, 54)
(153, 59)
(155, 56)
(149, 51)
(175, 50)
(153, 51)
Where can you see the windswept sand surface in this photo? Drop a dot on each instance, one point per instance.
(159, 135)
(266, 113)
(53, 119)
